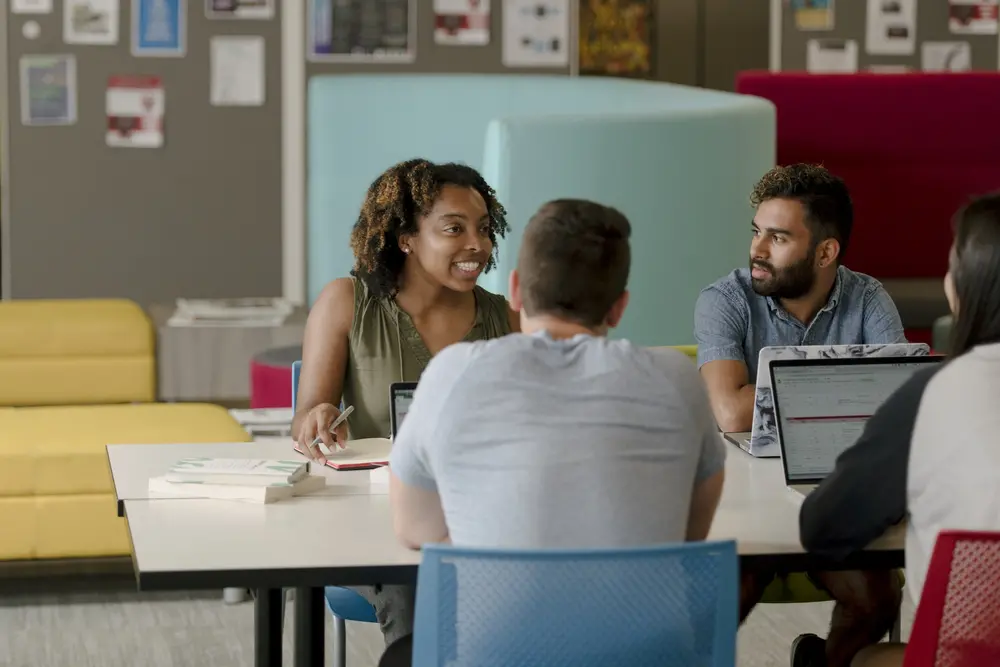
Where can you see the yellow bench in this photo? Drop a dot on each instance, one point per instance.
(87, 370)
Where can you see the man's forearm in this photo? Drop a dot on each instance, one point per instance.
(736, 411)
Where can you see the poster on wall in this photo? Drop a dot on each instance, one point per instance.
(812, 14)
(945, 57)
(892, 27)
(973, 17)
(239, 9)
(48, 90)
(832, 56)
(159, 28)
(134, 106)
(536, 33)
(237, 64)
(616, 37)
(353, 31)
(462, 22)
(90, 21)
(30, 6)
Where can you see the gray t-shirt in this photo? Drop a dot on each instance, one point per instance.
(585, 442)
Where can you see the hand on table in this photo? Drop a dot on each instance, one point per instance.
(317, 424)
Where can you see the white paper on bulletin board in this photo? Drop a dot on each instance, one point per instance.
(237, 64)
(536, 33)
(973, 17)
(945, 57)
(135, 107)
(30, 6)
(892, 27)
(462, 22)
(832, 56)
(91, 21)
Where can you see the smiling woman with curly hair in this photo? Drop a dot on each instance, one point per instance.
(424, 235)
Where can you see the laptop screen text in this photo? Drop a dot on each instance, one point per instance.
(823, 410)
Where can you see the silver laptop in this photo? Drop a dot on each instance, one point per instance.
(400, 398)
(762, 438)
(822, 405)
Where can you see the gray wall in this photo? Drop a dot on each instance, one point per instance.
(199, 217)
(735, 39)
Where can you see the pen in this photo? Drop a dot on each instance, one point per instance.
(336, 422)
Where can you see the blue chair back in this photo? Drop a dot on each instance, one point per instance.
(662, 606)
(296, 370)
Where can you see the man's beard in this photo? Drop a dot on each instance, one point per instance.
(791, 282)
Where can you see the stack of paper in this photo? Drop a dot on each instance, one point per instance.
(265, 421)
(231, 312)
(249, 480)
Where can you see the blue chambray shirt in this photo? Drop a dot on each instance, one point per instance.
(733, 322)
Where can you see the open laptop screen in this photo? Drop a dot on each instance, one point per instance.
(400, 398)
(822, 406)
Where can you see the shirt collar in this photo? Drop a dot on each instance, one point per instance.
(831, 303)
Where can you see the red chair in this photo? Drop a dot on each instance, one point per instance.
(958, 620)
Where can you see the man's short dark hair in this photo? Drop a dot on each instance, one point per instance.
(574, 261)
(827, 202)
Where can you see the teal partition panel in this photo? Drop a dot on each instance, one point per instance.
(679, 162)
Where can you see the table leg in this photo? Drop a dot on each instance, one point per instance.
(310, 623)
(267, 627)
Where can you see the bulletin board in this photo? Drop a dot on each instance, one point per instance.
(884, 35)
(673, 30)
(197, 216)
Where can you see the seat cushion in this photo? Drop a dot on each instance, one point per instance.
(61, 450)
(72, 352)
(920, 301)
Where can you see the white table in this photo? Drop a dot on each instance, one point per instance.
(344, 536)
(191, 543)
(762, 515)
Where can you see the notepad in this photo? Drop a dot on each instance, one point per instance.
(359, 455)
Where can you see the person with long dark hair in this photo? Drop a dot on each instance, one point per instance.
(929, 453)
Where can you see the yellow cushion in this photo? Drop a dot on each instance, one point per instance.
(796, 587)
(689, 350)
(66, 352)
(84, 526)
(61, 450)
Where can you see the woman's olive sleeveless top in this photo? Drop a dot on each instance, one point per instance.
(385, 347)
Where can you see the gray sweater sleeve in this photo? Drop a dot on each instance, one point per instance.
(866, 493)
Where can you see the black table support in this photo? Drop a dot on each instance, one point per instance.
(310, 623)
(267, 627)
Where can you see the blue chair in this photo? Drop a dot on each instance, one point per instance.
(344, 604)
(664, 606)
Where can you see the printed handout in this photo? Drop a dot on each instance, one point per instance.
(48, 90)
(462, 22)
(536, 33)
(237, 70)
(826, 56)
(892, 27)
(91, 21)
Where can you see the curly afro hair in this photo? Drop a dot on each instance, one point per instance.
(391, 208)
(827, 202)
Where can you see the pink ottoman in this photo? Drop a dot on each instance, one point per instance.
(271, 377)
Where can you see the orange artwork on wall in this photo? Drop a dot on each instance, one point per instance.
(616, 37)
